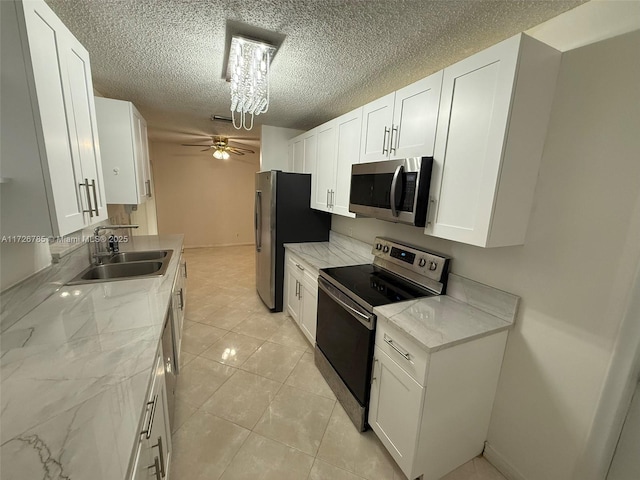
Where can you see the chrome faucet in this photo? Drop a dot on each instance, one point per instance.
(110, 247)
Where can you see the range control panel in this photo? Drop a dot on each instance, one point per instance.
(425, 263)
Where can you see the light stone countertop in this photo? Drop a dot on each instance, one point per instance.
(339, 251)
(463, 315)
(75, 372)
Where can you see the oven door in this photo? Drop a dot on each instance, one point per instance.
(393, 190)
(345, 335)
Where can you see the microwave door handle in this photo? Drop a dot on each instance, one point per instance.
(393, 195)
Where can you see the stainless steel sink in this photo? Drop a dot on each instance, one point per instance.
(126, 266)
(124, 257)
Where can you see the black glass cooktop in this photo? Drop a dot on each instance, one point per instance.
(374, 285)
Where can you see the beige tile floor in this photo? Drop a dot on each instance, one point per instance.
(250, 403)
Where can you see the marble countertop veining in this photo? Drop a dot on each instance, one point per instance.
(75, 371)
(440, 322)
(338, 252)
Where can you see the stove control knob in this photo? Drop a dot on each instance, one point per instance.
(385, 249)
(378, 246)
(422, 262)
(433, 265)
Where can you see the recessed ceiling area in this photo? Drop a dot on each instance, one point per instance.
(167, 56)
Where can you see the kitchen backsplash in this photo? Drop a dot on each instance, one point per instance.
(17, 301)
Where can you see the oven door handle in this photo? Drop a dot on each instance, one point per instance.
(366, 320)
(394, 189)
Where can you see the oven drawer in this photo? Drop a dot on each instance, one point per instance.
(405, 351)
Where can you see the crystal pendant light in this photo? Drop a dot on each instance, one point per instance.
(248, 72)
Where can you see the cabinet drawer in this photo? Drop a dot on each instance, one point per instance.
(302, 270)
(405, 351)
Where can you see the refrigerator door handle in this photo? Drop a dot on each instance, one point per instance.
(258, 220)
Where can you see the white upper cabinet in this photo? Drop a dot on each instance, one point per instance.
(125, 151)
(51, 166)
(323, 176)
(494, 113)
(402, 124)
(296, 153)
(338, 149)
(302, 152)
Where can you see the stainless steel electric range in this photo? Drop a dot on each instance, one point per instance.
(346, 323)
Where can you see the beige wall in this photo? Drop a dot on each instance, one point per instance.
(575, 271)
(209, 200)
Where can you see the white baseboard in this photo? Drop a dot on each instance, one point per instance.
(220, 245)
(496, 459)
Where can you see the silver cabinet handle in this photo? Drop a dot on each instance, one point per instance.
(392, 146)
(300, 266)
(258, 220)
(156, 465)
(328, 202)
(95, 196)
(373, 370)
(184, 266)
(392, 344)
(181, 294)
(88, 192)
(297, 287)
(332, 197)
(161, 452)
(393, 194)
(385, 149)
(147, 187)
(430, 211)
(147, 431)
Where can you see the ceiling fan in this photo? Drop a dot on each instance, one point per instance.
(221, 148)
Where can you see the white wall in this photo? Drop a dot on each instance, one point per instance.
(273, 147)
(575, 270)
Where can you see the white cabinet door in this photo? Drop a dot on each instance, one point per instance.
(415, 116)
(310, 151)
(85, 125)
(125, 151)
(47, 45)
(494, 112)
(292, 292)
(395, 409)
(325, 166)
(377, 118)
(297, 155)
(141, 161)
(348, 129)
(142, 462)
(309, 310)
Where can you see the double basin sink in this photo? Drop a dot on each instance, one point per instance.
(126, 266)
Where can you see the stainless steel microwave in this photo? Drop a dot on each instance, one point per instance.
(393, 190)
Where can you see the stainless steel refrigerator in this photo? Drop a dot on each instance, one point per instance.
(282, 215)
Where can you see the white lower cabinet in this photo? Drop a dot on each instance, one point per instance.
(179, 299)
(153, 453)
(432, 410)
(301, 295)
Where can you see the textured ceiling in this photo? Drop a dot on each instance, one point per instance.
(166, 56)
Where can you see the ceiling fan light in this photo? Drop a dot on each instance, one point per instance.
(225, 156)
(220, 154)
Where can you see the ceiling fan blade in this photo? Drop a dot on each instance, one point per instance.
(244, 149)
(233, 151)
(206, 149)
(194, 145)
